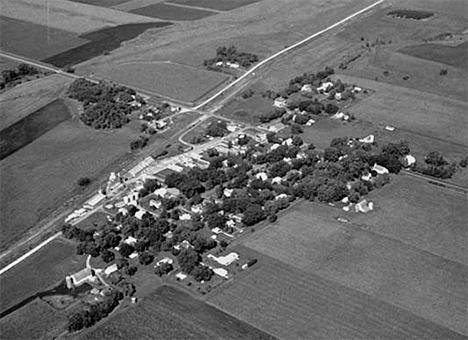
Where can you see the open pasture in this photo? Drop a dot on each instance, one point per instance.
(310, 238)
(31, 127)
(291, 303)
(220, 5)
(176, 81)
(33, 321)
(20, 101)
(38, 272)
(170, 313)
(423, 215)
(174, 13)
(456, 56)
(42, 175)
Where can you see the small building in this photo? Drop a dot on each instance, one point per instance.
(109, 270)
(167, 260)
(175, 167)
(261, 175)
(364, 206)
(280, 102)
(233, 65)
(85, 275)
(310, 122)
(221, 272)
(356, 89)
(185, 217)
(409, 161)
(139, 214)
(228, 192)
(368, 139)
(276, 180)
(306, 88)
(216, 230)
(130, 240)
(274, 146)
(280, 196)
(131, 199)
(196, 209)
(338, 96)
(390, 128)
(276, 127)
(219, 63)
(340, 115)
(325, 87)
(380, 169)
(94, 201)
(366, 177)
(181, 276)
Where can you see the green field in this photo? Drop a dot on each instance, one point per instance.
(391, 270)
(168, 12)
(247, 110)
(176, 81)
(38, 272)
(170, 313)
(291, 303)
(456, 56)
(220, 5)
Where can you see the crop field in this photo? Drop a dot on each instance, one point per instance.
(41, 270)
(20, 101)
(291, 303)
(434, 218)
(31, 127)
(39, 177)
(456, 56)
(170, 313)
(168, 12)
(103, 3)
(181, 82)
(220, 5)
(34, 40)
(310, 238)
(32, 321)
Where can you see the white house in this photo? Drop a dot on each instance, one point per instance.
(221, 272)
(409, 161)
(139, 214)
(219, 63)
(364, 206)
(368, 139)
(366, 177)
(109, 270)
(93, 201)
(130, 240)
(83, 276)
(185, 217)
(131, 199)
(232, 65)
(228, 192)
(225, 260)
(216, 230)
(280, 102)
(155, 204)
(274, 146)
(261, 175)
(357, 89)
(340, 115)
(390, 128)
(277, 180)
(380, 169)
(338, 96)
(306, 88)
(310, 122)
(164, 260)
(325, 87)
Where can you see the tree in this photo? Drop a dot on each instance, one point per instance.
(435, 158)
(202, 273)
(107, 256)
(76, 321)
(217, 129)
(125, 249)
(84, 181)
(297, 141)
(296, 129)
(163, 269)
(331, 109)
(146, 258)
(253, 214)
(130, 270)
(188, 260)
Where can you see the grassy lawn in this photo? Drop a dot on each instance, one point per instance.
(247, 110)
(41, 270)
(168, 12)
(173, 80)
(291, 303)
(310, 238)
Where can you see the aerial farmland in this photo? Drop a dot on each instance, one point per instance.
(233, 169)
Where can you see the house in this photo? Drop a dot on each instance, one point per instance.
(225, 260)
(109, 270)
(75, 214)
(390, 128)
(288, 142)
(280, 102)
(181, 276)
(340, 115)
(356, 89)
(216, 230)
(230, 223)
(276, 127)
(409, 161)
(85, 275)
(155, 204)
(197, 209)
(133, 255)
(262, 175)
(219, 63)
(175, 167)
(368, 140)
(276, 180)
(380, 169)
(185, 217)
(232, 65)
(306, 88)
(310, 122)
(139, 214)
(325, 87)
(338, 96)
(184, 244)
(221, 272)
(131, 199)
(364, 206)
(281, 196)
(228, 192)
(274, 147)
(130, 240)
(164, 260)
(366, 177)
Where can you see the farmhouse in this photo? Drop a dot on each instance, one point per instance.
(75, 214)
(409, 161)
(225, 260)
(85, 275)
(276, 127)
(280, 102)
(325, 87)
(310, 122)
(340, 115)
(380, 169)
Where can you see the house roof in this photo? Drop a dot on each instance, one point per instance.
(81, 276)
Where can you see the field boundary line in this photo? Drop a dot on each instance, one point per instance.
(287, 49)
(29, 253)
(194, 7)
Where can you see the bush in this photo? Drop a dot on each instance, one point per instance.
(84, 181)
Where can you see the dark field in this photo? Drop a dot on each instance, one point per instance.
(168, 12)
(456, 56)
(41, 270)
(102, 3)
(30, 40)
(220, 5)
(173, 314)
(101, 41)
(31, 127)
(291, 303)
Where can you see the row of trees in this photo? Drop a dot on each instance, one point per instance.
(11, 76)
(231, 54)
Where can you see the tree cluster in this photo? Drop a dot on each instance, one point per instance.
(217, 128)
(230, 54)
(11, 76)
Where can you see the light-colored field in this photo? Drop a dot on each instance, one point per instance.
(33, 321)
(412, 110)
(310, 238)
(177, 81)
(26, 98)
(291, 303)
(40, 271)
(39, 177)
(67, 15)
(420, 214)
